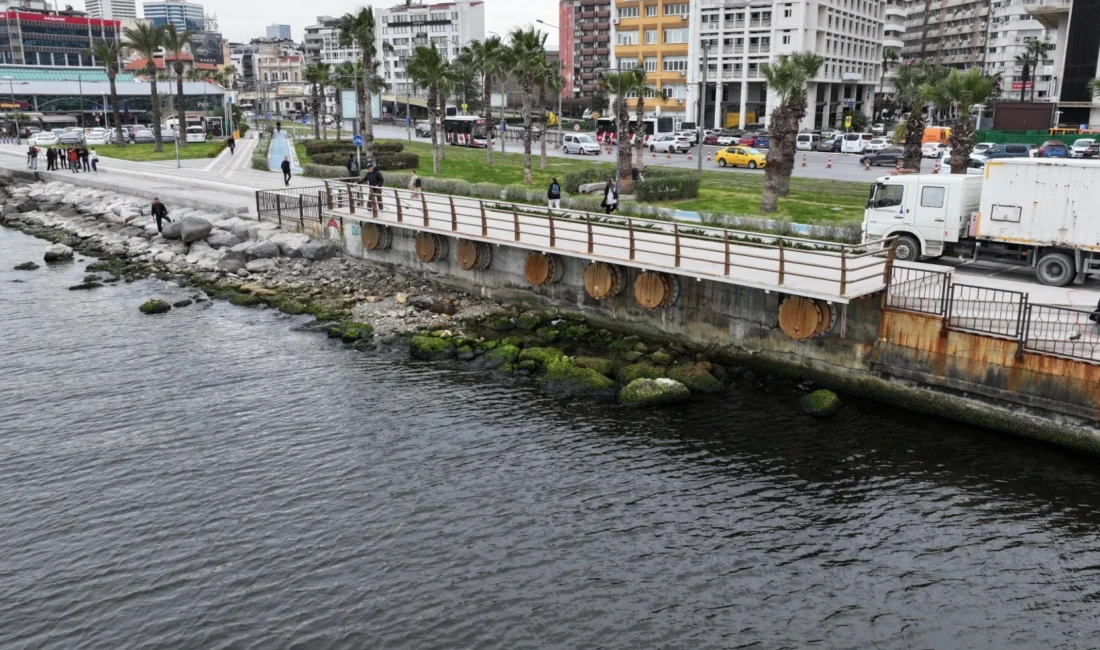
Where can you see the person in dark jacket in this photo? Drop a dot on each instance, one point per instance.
(232, 144)
(286, 170)
(160, 213)
(610, 197)
(553, 195)
(82, 152)
(51, 159)
(374, 179)
(353, 166)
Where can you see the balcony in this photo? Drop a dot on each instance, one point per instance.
(759, 49)
(603, 25)
(734, 24)
(756, 24)
(733, 49)
(730, 75)
(603, 14)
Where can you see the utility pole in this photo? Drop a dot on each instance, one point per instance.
(703, 103)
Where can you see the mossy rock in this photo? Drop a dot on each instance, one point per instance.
(548, 334)
(661, 358)
(431, 348)
(246, 300)
(640, 347)
(155, 306)
(500, 324)
(528, 321)
(820, 403)
(529, 365)
(507, 368)
(632, 356)
(490, 345)
(504, 354)
(351, 331)
(635, 371)
(515, 341)
(541, 356)
(577, 332)
(603, 366)
(465, 353)
(696, 377)
(290, 306)
(649, 392)
(562, 376)
(98, 266)
(27, 266)
(575, 316)
(182, 303)
(92, 277)
(621, 345)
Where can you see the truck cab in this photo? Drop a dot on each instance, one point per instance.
(925, 211)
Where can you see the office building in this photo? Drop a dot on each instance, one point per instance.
(27, 5)
(184, 15)
(448, 25)
(1011, 29)
(951, 33)
(278, 32)
(655, 34)
(110, 9)
(584, 43)
(893, 40)
(1075, 64)
(741, 35)
(52, 38)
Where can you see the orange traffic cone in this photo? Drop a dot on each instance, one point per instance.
(668, 153)
(829, 165)
(654, 154)
(897, 167)
(936, 169)
(708, 156)
(867, 160)
(689, 154)
(803, 160)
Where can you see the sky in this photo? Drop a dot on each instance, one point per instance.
(240, 21)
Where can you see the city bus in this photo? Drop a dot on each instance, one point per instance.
(655, 127)
(465, 131)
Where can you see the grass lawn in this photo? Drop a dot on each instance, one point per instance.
(813, 201)
(303, 157)
(145, 152)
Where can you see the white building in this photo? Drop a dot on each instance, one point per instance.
(893, 37)
(447, 25)
(322, 42)
(112, 9)
(744, 34)
(1011, 26)
(184, 15)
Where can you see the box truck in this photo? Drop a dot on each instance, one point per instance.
(1033, 212)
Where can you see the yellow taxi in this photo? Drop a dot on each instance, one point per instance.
(741, 157)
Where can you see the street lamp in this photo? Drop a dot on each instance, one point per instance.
(702, 102)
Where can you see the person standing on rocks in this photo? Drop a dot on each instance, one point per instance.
(286, 170)
(160, 213)
(553, 195)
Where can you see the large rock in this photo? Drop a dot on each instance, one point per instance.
(164, 257)
(231, 263)
(155, 306)
(695, 377)
(261, 266)
(431, 348)
(820, 403)
(647, 392)
(223, 240)
(263, 250)
(193, 229)
(172, 230)
(290, 243)
(562, 376)
(58, 253)
(320, 249)
(261, 231)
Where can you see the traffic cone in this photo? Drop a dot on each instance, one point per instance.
(668, 153)
(689, 154)
(708, 156)
(936, 169)
(897, 167)
(829, 164)
(654, 154)
(803, 160)
(868, 162)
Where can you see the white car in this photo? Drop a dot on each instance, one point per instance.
(196, 134)
(727, 140)
(690, 136)
(976, 165)
(932, 149)
(878, 129)
(43, 139)
(669, 144)
(95, 136)
(878, 144)
(1080, 147)
(580, 144)
(982, 147)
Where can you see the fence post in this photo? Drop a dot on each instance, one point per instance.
(301, 212)
(947, 310)
(259, 215)
(676, 232)
(726, 239)
(484, 220)
(454, 215)
(515, 216)
(1025, 330)
(887, 271)
(374, 200)
(279, 208)
(351, 200)
(782, 262)
(1020, 320)
(328, 193)
(630, 228)
(424, 205)
(588, 220)
(551, 230)
(397, 202)
(843, 271)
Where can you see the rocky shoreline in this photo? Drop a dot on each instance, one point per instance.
(365, 304)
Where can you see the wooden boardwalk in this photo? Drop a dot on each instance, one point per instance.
(814, 269)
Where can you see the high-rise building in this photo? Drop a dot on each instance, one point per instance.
(404, 27)
(655, 35)
(322, 42)
(1011, 30)
(1074, 64)
(278, 32)
(184, 15)
(893, 41)
(584, 43)
(110, 9)
(737, 37)
(53, 38)
(951, 33)
(26, 5)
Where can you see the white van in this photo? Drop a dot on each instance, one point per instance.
(855, 142)
(806, 141)
(580, 143)
(196, 134)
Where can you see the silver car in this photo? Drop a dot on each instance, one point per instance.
(71, 138)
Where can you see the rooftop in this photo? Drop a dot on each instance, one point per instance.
(35, 73)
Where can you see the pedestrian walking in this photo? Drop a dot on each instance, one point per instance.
(610, 197)
(553, 195)
(30, 156)
(375, 179)
(353, 166)
(278, 125)
(286, 170)
(95, 160)
(74, 160)
(160, 213)
(232, 144)
(414, 187)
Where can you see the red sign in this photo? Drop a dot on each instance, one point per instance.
(71, 20)
(1019, 85)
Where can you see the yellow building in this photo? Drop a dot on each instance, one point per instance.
(654, 34)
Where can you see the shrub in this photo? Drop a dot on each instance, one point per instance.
(388, 146)
(399, 160)
(332, 159)
(313, 170)
(572, 181)
(222, 144)
(259, 156)
(666, 187)
(328, 146)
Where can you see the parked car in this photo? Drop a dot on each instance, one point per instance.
(1054, 149)
(196, 134)
(580, 144)
(691, 136)
(741, 157)
(1093, 151)
(1080, 146)
(71, 138)
(975, 165)
(95, 136)
(888, 156)
(829, 145)
(669, 144)
(878, 144)
(879, 128)
(932, 149)
(43, 139)
(762, 141)
(981, 147)
(726, 139)
(144, 136)
(806, 141)
(710, 138)
(1007, 150)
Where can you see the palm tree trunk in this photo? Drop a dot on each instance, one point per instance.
(316, 112)
(487, 101)
(442, 134)
(367, 119)
(914, 133)
(158, 145)
(120, 141)
(528, 92)
(962, 143)
(324, 112)
(339, 115)
(181, 138)
(626, 180)
(543, 164)
(639, 146)
(769, 200)
(432, 118)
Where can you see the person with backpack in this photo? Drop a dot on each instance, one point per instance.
(353, 166)
(553, 195)
(374, 179)
(32, 157)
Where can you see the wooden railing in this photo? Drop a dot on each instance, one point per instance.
(793, 265)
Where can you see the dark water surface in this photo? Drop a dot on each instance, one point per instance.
(215, 478)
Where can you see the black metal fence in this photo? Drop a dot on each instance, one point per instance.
(293, 204)
(1062, 331)
(919, 290)
(986, 311)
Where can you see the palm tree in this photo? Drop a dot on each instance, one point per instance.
(1094, 86)
(1024, 61)
(1036, 51)
(543, 73)
(788, 77)
(146, 40)
(634, 83)
(960, 90)
(488, 58)
(889, 57)
(428, 69)
(610, 83)
(230, 73)
(556, 85)
(194, 74)
(358, 30)
(908, 81)
(528, 55)
(109, 53)
(317, 76)
(343, 72)
(174, 44)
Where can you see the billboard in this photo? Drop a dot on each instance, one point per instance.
(206, 47)
(347, 105)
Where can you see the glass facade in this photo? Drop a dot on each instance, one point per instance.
(184, 15)
(52, 39)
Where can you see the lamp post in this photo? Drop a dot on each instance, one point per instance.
(702, 103)
(560, 138)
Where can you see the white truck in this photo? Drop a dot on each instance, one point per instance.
(1035, 212)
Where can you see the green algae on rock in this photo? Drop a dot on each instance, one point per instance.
(502, 355)
(155, 306)
(541, 356)
(643, 370)
(27, 266)
(820, 403)
(696, 377)
(603, 366)
(562, 376)
(648, 392)
(431, 348)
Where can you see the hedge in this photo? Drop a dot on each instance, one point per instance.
(667, 187)
(314, 170)
(334, 158)
(572, 181)
(394, 161)
(259, 156)
(346, 147)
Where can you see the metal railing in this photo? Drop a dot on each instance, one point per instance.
(800, 266)
(997, 312)
(1061, 331)
(293, 204)
(920, 290)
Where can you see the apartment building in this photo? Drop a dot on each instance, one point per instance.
(1011, 27)
(731, 39)
(447, 25)
(321, 43)
(1074, 65)
(584, 44)
(655, 35)
(110, 9)
(952, 33)
(893, 38)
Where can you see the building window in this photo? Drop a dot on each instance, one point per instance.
(627, 38)
(650, 64)
(786, 39)
(651, 37)
(628, 12)
(676, 36)
(677, 91)
(787, 12)
(650, 11)
(674, 64)
(677, 8)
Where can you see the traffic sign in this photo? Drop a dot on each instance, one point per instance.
(305, 120)
(229, 99)
(267, 116)
(464, 106)
(576, 127)
(849, 103)
(357, 141)
(847, 121)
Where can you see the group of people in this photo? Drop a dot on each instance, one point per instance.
(75, 158)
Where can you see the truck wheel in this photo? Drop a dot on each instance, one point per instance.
(1055, 269)
(907, 250)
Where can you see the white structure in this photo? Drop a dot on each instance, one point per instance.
(744, 34)
(893, 37)
(322, 43)
(447, 25)
(110, 9)
(184, 15)
(36, 5)
(1011, 26)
